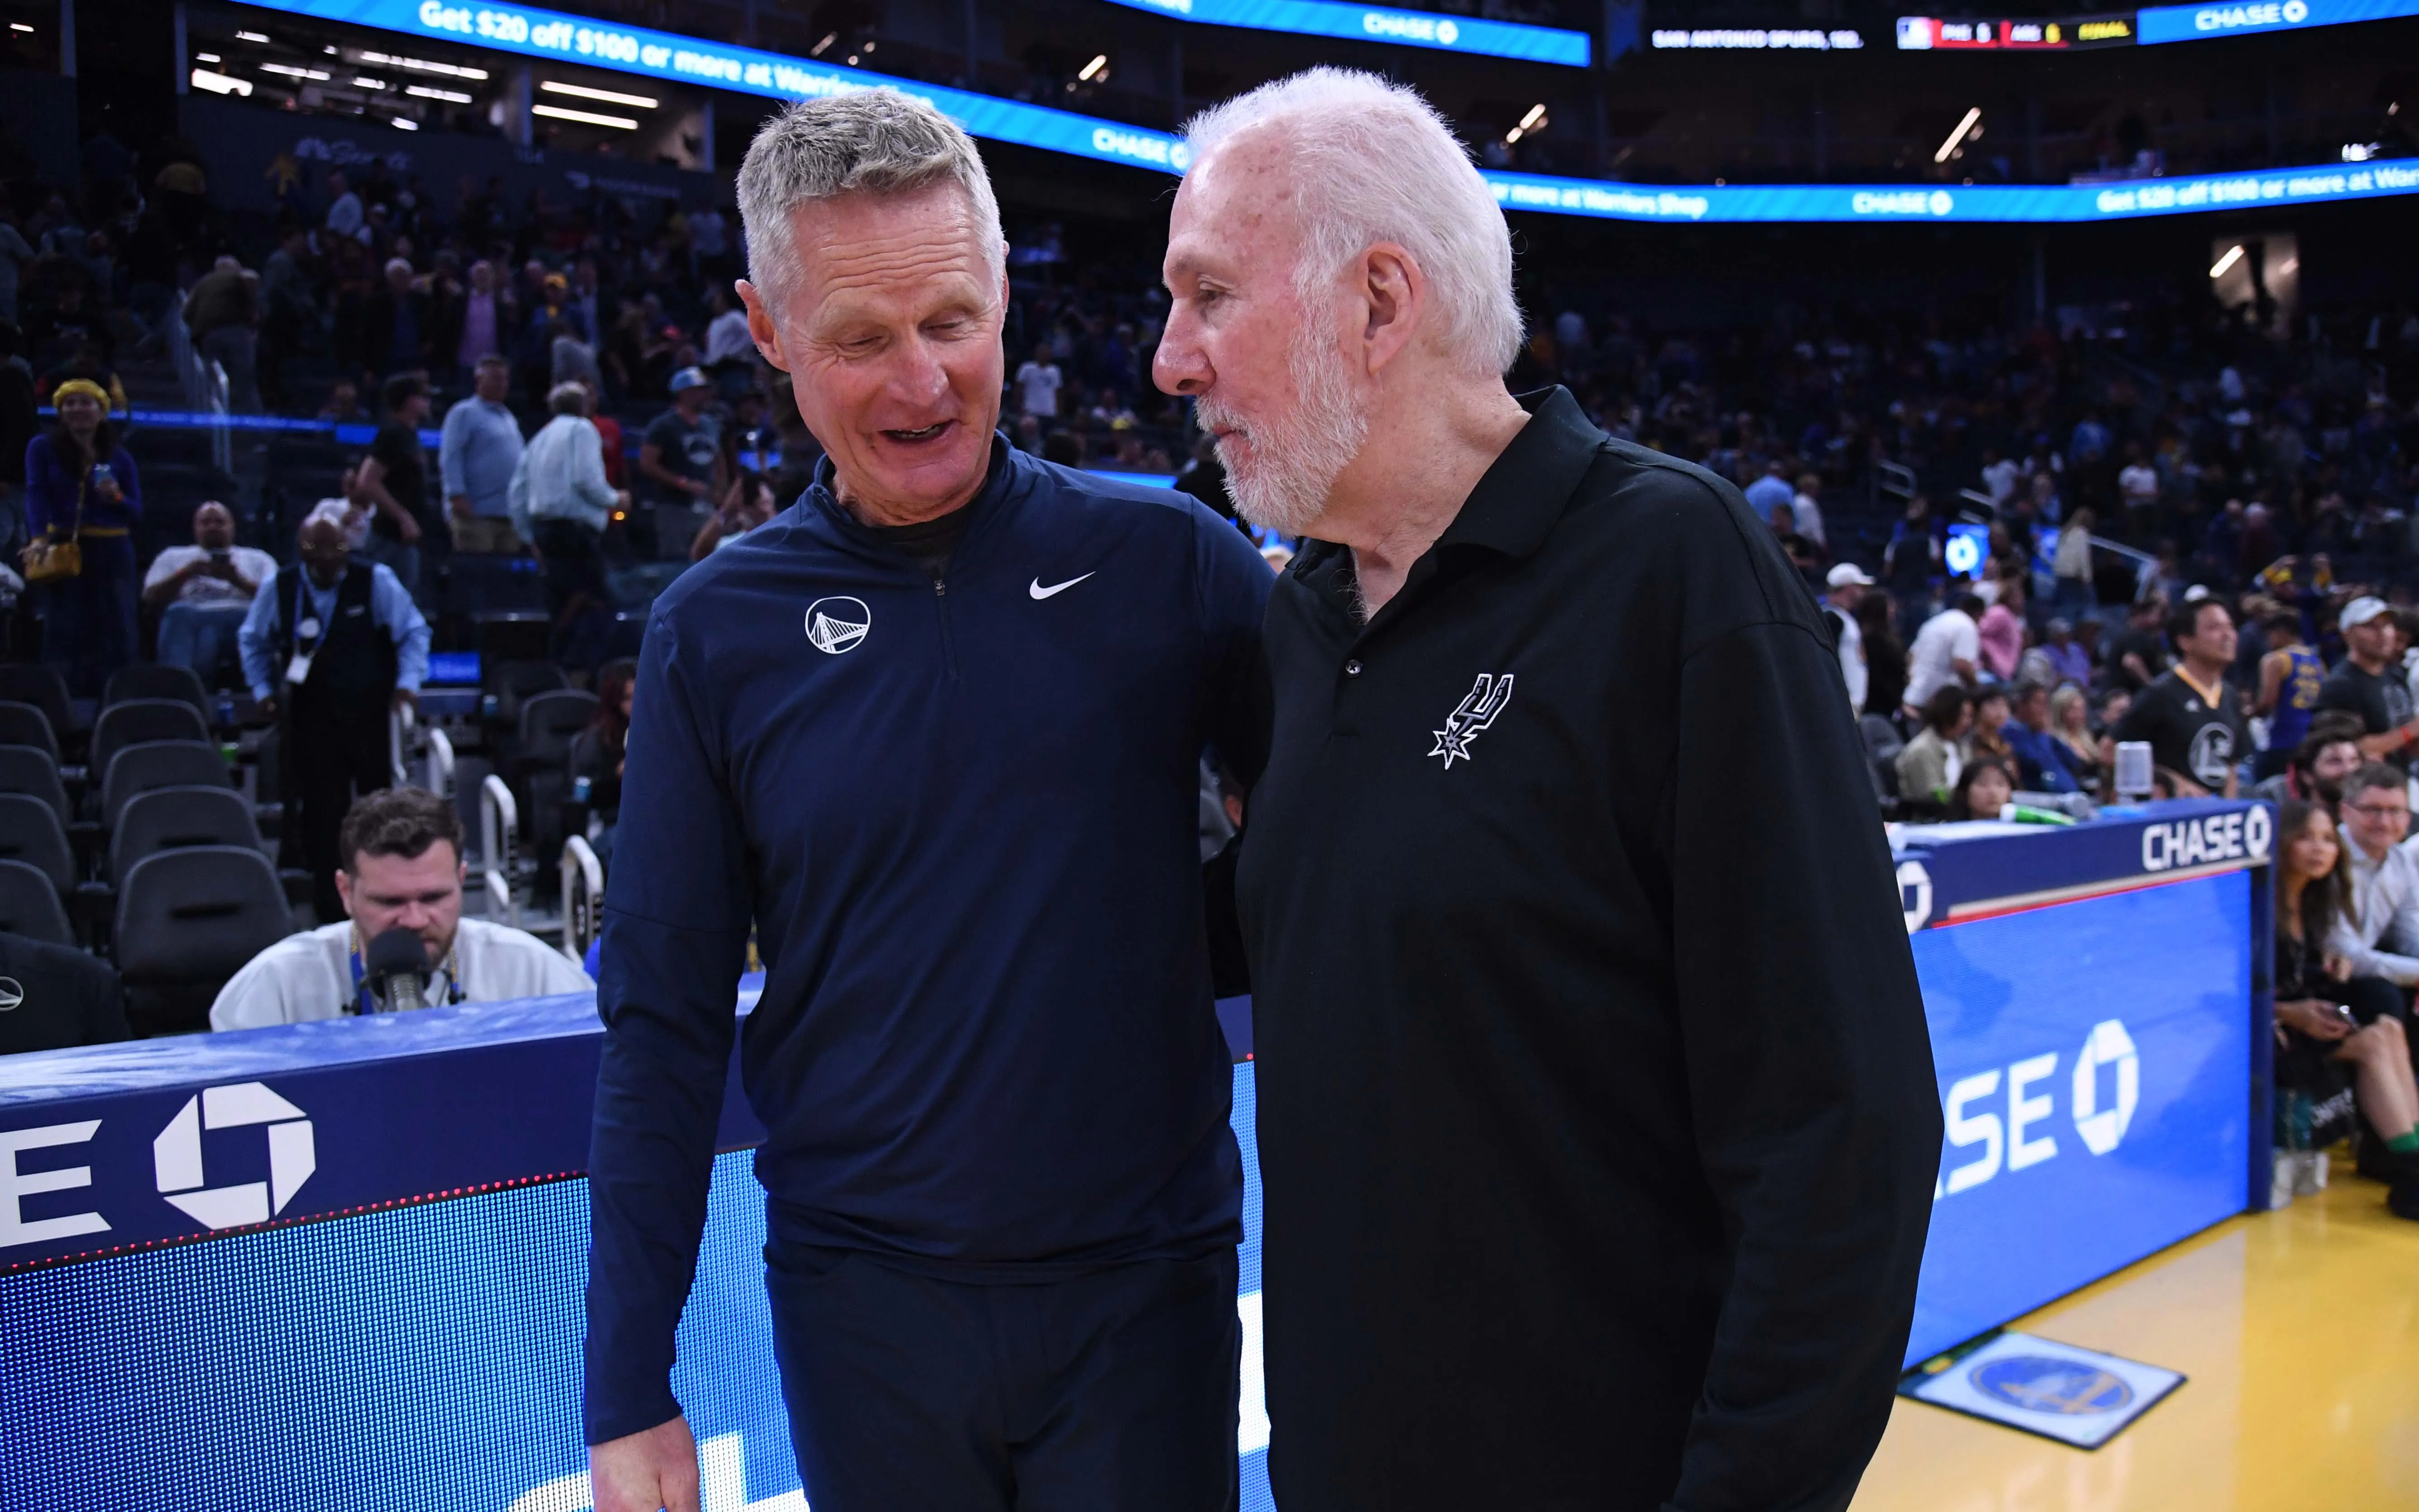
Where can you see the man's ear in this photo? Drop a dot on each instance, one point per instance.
(761, 325)
(345, 889)
(1394, 295)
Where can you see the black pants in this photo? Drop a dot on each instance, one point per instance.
(1111, 1392)
(330, 755)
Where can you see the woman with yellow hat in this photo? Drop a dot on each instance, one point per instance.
(81, 500)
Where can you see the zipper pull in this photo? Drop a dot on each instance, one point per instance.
(940, 588)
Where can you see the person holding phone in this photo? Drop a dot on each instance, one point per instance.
(2331, 1064)
(82, 489)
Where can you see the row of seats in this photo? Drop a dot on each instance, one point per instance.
(162, 863)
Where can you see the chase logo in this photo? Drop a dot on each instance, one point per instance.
(837, 624)
(2037, 1384)
(2244, 835)
(1443, 33)
(177, 1155)
(1970, 1111)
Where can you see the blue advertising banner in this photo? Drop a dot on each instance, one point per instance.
(1408, 28)
(2197, 23)
(2094, 1058)
(639, 50)
(665, 56)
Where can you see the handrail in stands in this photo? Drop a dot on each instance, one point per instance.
(206, 387)
(499, 833)
(583, 898)
(399, 728)
(440, 762)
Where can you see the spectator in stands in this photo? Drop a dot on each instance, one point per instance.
(2042, 761)
(397, 330)
(53, 997)
(1947, 650)
(478, 452)
(342, 406)
(728, 344)
(83, 490)
(2071, 564)
(1928, 765)
(1885, 654)
(1908, 561)
(345, 215)
(2315, 773)
(680, 457)
(2000, 631)
(2338, 1048)
(330, 647)
(287, 310)
(394, 480)
(561, 505)
(202, 593)
(2381, 937)
(2138, 657)
(1037, 385)
(1984, 786)
(222, 312)
(2190, 714)
(2368, 683)
(1848, 582)
(1984, 736)
(1772, 491)
(599, 751)
(2069, 661)
(488, 315)
(2290, 675)
(400, 854)
(749, 504)
(1807, 507)
(2070, 724)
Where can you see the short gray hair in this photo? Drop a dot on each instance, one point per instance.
(1372, 162)
(868, 141)
(568, 398)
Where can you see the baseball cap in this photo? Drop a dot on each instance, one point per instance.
(690, 378)
(1847, 573)
(2361, 611)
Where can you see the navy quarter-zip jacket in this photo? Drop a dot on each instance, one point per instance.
(961, 815)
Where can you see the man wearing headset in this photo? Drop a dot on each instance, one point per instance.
(401, 866)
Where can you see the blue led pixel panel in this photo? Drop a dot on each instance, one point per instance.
(397, 1361)
(2093, 1059)
(2241, 18)
(1378, 23)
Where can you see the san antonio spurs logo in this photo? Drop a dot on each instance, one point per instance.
(837, 624)
(1477, 711)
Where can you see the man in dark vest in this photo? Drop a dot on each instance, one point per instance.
(331, 645)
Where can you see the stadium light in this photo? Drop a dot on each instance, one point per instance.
(1530, 125)
(370, 84)
(2233, 255)
(1973, 115)
(292, 72)
(1095, 70)
(252, 37)
(220, 83)
(586, 118)
(404, 123)
(419, 64)
(19, 27)
(641, 102)
(205, 58)
(817, 51)
(450, 97)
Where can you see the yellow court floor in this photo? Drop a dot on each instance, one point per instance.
(2300, 1332)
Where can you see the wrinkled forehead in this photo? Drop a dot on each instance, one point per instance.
(889, 242)
(1235, 214)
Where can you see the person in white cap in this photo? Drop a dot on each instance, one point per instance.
(1848, 583)
(2365, 682)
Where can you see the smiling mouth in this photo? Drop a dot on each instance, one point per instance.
(918, 436)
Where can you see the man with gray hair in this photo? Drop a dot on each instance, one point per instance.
(559, 501)
(933, 733)
(1596, 1114)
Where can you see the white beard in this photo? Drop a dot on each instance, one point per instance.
(1295, 461)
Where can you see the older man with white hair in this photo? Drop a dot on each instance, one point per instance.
(1596, 1116)
(935, 735)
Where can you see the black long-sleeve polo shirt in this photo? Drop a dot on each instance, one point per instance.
(1597, 1112)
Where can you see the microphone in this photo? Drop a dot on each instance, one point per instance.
(395, 967)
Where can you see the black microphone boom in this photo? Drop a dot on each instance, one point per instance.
(394, 965)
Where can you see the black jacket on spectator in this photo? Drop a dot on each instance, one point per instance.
(54, 999)
(1598, 1124)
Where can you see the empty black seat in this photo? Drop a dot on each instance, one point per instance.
(42, 687)
(165, 764)
(30, 906)
(25, 724)
(139, 721)
(29, 769)
(512, 683)
(179, 818)
(549, 722)
(157, 680)
(31, 832)
(187, 920)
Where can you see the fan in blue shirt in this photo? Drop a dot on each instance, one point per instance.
(932, 734)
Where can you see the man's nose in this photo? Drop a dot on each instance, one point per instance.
(1178, 366)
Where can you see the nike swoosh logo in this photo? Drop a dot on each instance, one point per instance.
(1039, 592)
